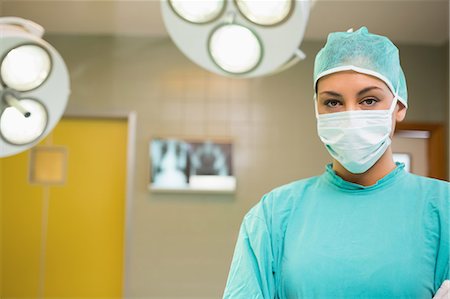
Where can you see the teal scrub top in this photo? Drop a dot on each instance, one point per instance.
(324, 237)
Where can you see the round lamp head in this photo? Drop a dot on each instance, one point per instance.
(266, 13)
(235, 49)
(25, 67)
(198, 11)
(18, 129)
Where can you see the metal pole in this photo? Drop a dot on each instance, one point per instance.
(14, 102)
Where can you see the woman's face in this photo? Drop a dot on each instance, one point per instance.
(349, 90)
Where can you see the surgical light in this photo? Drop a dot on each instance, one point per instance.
(19, 129)
(34, 85)
(235, 48)
(265, 13)
(238, 38)
(25, 67)
(198, 11)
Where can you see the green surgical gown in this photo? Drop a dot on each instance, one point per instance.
(324, 237)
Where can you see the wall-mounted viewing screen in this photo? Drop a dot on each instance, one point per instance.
(191, 165)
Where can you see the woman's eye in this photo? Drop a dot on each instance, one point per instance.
(332, 103)
(369, 102)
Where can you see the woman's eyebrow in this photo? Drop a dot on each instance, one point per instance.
(332, 93)
(362, 91)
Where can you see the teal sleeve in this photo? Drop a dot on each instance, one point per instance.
(443, 253)
(251, 273)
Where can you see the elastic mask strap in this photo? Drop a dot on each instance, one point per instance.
(393, 105)
(315, 106)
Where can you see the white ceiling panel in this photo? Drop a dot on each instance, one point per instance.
(406, 21)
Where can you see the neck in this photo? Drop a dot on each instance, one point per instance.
(379, 170)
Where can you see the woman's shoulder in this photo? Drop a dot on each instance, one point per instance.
(434, 193)
(293, 188)
(281, 199)
(428, 185)
(272, 212)
(428, 180)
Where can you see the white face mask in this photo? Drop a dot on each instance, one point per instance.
(357, 138)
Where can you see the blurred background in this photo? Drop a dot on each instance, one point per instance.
(100, 232)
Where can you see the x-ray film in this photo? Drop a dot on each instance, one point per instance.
(185, 165)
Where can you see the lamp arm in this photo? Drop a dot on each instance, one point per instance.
(299, 55)
(12, 101)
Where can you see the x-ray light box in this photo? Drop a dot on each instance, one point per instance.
(191, 165)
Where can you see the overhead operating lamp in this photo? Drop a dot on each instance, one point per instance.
(34, 85)
(238, 38)
(265, 13)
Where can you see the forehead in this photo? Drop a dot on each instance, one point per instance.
(349, 81)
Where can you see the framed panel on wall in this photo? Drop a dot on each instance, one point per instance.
(426, 147)
(187, 165)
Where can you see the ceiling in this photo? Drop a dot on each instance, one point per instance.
(404, 21)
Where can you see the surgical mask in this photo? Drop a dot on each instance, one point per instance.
(357, 138)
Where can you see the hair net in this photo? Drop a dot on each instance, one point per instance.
(365, 53)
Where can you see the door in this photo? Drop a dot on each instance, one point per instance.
(424, 146)
(66, 240)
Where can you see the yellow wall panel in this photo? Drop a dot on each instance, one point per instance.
(21, 229)
(1, 229)
(84, 248)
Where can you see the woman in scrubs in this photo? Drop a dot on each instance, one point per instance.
(365, 228)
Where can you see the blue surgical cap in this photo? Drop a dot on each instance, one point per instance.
(362, 52)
